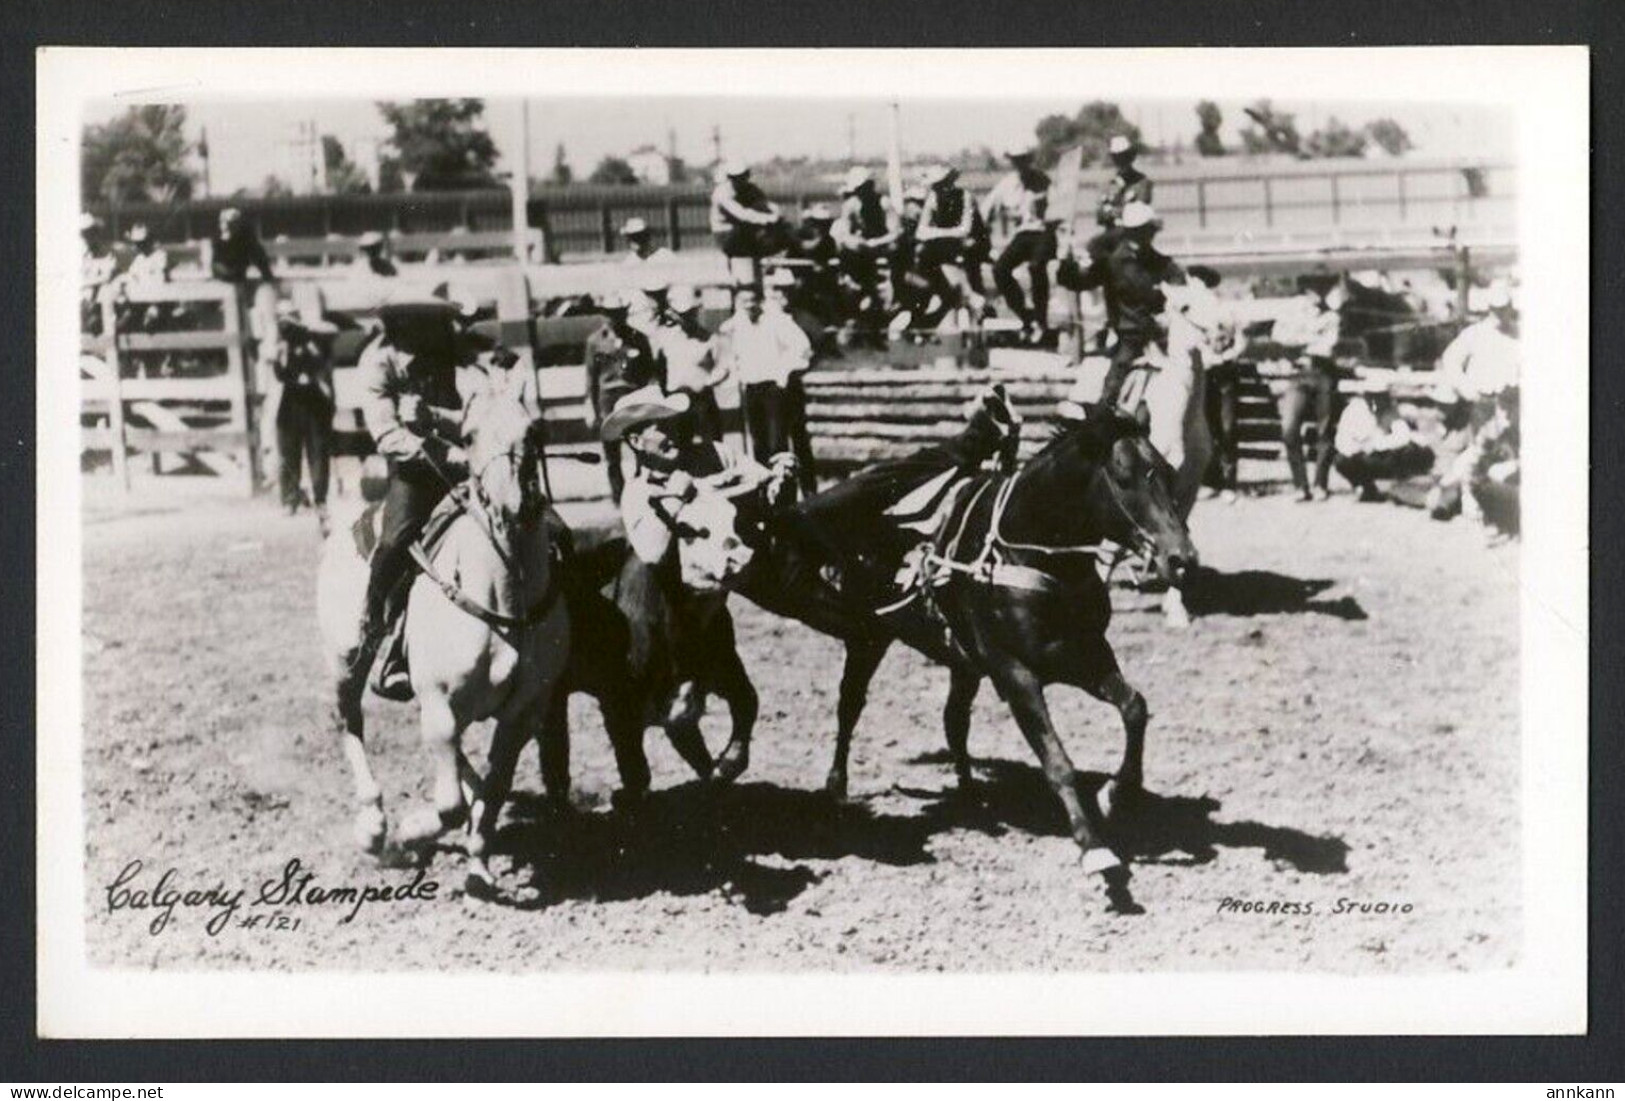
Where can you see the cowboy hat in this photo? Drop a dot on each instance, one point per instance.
(914, 195)
(1136, 215)
(1121, 145)
(612, 300)
(370, 239)
(641, 407)
(290, 312)
(88, 222)
(939, 174)
(735, 168)
(1498, 296)
(780, 277)
(138, 233)
(856, 177)
(818, 212)
(634, 226)
(407, 302)
(1018, 153)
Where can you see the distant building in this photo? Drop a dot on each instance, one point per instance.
(650, 165)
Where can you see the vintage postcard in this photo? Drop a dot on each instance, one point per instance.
(593, 542)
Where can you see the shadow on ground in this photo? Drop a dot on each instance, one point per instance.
(747, 841)
(1265, 592)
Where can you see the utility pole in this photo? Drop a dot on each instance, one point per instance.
(852, 137)
(203, 154)
(519, 185)
(716, 144)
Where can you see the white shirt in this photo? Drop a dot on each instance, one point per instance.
(1315, 329)
(770, 349)
(691, 364)
(1360, 433)
(1481, 361)
(150, 267)
(646, 532)
(1029, 208)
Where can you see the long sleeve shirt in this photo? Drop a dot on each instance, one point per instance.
(1122, 189)
(1132, 278)
(1481, 361)
(770, 349)
(948, 212)
(233, 257)
(1313, 329)
(648, 532)
(386, 374)
(1026, 201)
(740, 204)
(866, 224)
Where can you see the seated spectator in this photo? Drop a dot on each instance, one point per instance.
(640, 243)
(745, 223)
(372, 257)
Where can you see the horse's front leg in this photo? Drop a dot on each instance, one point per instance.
(554, 747)
(682, 727)
(862, 659)
(1024, 693)
(732, 683)
(1174, 612)
(370, 826)
(962, 688)
(507, 741)
(441, 732)
(1129, 783)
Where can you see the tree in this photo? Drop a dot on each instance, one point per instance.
(1274, 132)
(562, 174)
(1208, 142)
(1337, 139)
(439, 144)
(275, 187)
(344, 177)
(140, 156)
(613, 170)
(1389, 135)
(1091, 129)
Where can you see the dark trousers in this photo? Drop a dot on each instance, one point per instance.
(1127, 352)
(795, 427)
(410, 499)
(304, 428)
(1363, 470)
(1034, 250)
(1223, 381)
(705, 418)
(1310, 399)
(931, 259)
(764, 407)
(755, 242)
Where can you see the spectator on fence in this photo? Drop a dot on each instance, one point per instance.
(745, 223)
(867, 232)
(818, 291)
(765, 350)
(619, 361)
(373, 260)
(1308, 397)
(1374, 443)
(96, 270)
(1128, 185)
(1023, 197)
(946, 237)
(303, 365)
(237, 251)
(690, 356)
(149, 261)
(640, 243)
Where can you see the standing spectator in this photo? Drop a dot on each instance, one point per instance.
(744, 222)
(640, 244)
(303, 363)
(1309, 395)
(765, 349)
(372, 257)
(238, 251)
(1023, 196)
(619, 361)
(690, 355)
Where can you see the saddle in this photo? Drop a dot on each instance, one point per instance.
(391, 674)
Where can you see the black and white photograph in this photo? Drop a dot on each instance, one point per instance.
(753, 542)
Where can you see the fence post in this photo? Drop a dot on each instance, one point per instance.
(115, 395)
(1337, 207)
(1201, 204)
(1399, 177)
(606, 227)
(1464, 280)
(1269, 203)
(239, 369)
(674, 235)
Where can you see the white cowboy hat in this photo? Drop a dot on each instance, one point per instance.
(1121, 144)
(1018, 152)
(914, 194)
(612, 300)
(818, 212)
(138, 233)
(1136, 215)
(370, 239)
(88, 222)
(634, 226)
(288, 310)
(735, 168)
(856, 177)
(939, 174)
(1498, 296)
(780, 277)
(641, 407)
(682, 298)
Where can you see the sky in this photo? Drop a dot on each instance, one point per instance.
(251, 140)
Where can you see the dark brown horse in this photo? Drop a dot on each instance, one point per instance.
(1019, 601)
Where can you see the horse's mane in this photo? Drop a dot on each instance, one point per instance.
(1093, 435)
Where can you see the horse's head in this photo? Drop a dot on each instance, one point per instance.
(499, 421)
(1137, 508)
(710, 551)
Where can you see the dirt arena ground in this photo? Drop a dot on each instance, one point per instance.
(1338, 726)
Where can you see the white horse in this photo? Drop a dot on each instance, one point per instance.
(488, 635)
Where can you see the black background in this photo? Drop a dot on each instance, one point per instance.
(1599, 1057)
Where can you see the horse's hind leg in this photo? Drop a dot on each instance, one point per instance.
(862, 659)
(625, 727)
(962, 689)
(370, 827)
(1024, 693)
